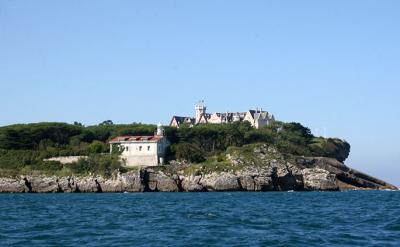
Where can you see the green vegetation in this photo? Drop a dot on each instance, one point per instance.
(216, 163)
(103, 165)
(289, 138)
(61, 139)
(188, 151)
(16, 162)
(23, 147)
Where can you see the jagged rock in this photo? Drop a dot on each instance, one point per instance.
(166, 184)
(158, 181)
(122, 182)
(319, 179)
(291, 180)
(247, 183)
(260, 169)
(262, 183)
(151, 180)
(87, 184)
(43, 184)
(12, 185)
(221, 182)
(132, 181)
(346, 176)
(191, 183)
(109, 185)
(67, 184)
(178, 164)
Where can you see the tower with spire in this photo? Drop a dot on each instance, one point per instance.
(200, 111)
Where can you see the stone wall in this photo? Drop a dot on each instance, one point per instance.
(66, 159)
(141, 160)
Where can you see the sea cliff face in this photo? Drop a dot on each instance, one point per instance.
(259, 169)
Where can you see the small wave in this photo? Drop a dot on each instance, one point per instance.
(211, 215)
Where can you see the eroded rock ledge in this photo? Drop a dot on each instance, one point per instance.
(266, 170)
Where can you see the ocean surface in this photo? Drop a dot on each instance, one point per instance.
(363, 218)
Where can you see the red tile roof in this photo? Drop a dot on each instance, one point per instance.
(119, 139)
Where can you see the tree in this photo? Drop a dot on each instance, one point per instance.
(78, 124)
(189, 152)
(97, 147)
(106, 122)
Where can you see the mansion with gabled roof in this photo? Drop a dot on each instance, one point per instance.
(257, 118)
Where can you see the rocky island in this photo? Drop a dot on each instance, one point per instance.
(230, 157)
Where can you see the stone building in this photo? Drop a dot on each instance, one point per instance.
(142, 150)
(257, 118)
(177, 121)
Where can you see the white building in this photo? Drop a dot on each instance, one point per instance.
(142, 150)
(257, 118)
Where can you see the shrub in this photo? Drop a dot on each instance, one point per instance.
(103, 165)
(97, 147)
(189, 152)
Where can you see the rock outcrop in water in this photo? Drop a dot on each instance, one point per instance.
(260, 168)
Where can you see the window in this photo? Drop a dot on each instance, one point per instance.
(148, 148)
(140, 148)
(127, 148)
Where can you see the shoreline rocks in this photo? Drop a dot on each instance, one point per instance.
(262, 170)
(149, 180)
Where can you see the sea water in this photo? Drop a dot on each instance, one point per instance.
(356, 218)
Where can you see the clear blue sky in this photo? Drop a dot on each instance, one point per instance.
(332, 65)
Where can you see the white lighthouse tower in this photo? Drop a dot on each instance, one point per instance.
(160, 130)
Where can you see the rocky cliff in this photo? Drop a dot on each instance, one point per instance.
(253, 168)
